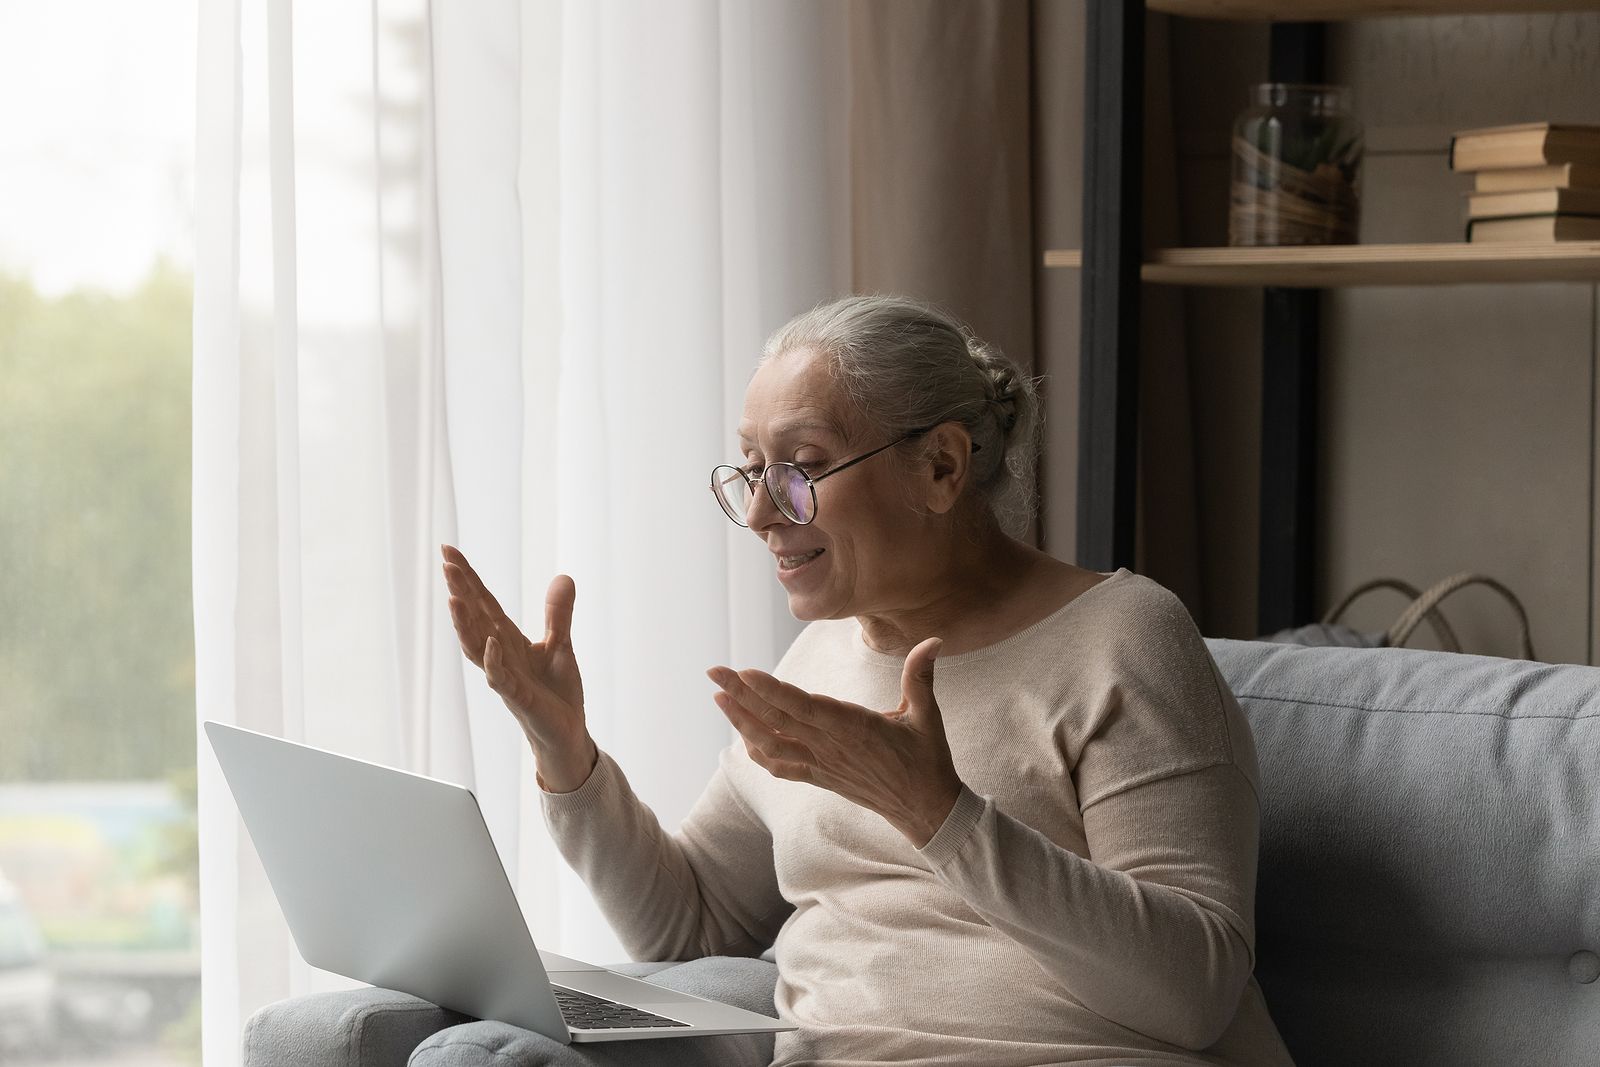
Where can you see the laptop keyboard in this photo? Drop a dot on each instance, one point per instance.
(585, 1012)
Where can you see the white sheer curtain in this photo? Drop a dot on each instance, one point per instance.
(495, 274)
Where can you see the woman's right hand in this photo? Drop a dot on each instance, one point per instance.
(538, 681)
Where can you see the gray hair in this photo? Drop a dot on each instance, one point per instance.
(907, 365)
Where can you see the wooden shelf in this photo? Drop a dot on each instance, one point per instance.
(1333, 266)
(1340, 10)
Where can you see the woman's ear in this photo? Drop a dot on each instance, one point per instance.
(949, 465)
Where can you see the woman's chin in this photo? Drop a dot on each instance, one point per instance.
(807, 607)
(801, 608)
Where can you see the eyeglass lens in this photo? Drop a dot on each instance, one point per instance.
(785, 482)
(733, 492)
(790, 489)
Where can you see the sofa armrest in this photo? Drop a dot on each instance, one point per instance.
(371, 1027)
(364, 1027)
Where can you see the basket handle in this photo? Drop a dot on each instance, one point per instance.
(1447, 636)
(1428, 601)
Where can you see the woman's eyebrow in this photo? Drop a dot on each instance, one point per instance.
(788, 429)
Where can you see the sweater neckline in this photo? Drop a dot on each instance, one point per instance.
(858, 638)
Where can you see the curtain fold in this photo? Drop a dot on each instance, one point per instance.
(496, 275)
(325, 465)
(941, 162)
(696, 181)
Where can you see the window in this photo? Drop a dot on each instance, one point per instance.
(99, 955)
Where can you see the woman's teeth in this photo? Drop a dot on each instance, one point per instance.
(791, 562)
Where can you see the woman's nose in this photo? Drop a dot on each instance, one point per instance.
(763, 512)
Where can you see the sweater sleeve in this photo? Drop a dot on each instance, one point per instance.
(708, 890)
(1154, 929)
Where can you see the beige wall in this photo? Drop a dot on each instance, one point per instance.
(1057, 133)
(1458, 422)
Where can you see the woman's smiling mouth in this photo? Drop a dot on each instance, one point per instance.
(795, 562)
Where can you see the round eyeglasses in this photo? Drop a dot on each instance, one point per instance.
(791, 488)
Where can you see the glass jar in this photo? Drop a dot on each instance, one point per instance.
(1296, 167)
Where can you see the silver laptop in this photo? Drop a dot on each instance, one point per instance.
(392, 878)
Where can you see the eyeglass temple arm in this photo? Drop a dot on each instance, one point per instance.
(847, 464)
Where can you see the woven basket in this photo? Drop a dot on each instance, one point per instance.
(1424, 605)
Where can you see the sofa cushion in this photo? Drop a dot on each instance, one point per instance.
(1429, 889)
(744, 983)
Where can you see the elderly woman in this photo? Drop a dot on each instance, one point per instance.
(990, 808)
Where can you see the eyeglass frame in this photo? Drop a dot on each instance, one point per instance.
(752, 477)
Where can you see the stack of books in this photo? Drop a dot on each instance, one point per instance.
(1538, 181)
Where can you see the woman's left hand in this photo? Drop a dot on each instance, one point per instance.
(896, 763)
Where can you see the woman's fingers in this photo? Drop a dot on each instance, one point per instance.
(481, 614)
(789, 709)
(558, 601)
(457, 558)
(502, 679)
(466, 586)
(458, 573)
(765, 745)
(494, 669)
(465, 583)
(467, 632)
(739, 693)
(468, 592)
(916, 684)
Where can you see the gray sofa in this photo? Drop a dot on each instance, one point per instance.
(1429, 890)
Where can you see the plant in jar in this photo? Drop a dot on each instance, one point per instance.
(1296, 167)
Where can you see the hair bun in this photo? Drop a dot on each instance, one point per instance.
(1001, 375)
(1008, 410)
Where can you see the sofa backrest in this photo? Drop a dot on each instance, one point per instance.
(1429, 888)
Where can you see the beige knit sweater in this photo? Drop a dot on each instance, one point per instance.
(1089, 900)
